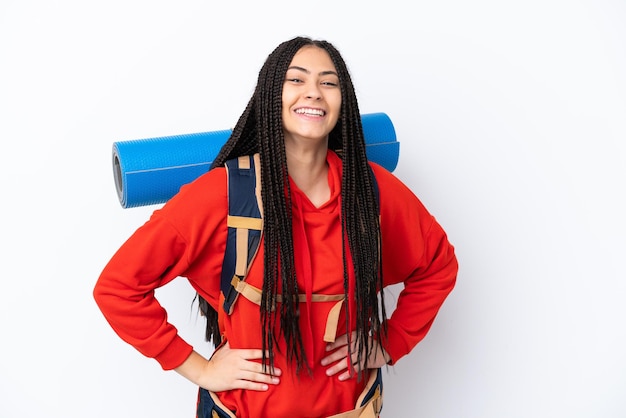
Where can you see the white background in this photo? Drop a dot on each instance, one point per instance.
(512, 123)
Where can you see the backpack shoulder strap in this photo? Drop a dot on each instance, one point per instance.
(245, 223)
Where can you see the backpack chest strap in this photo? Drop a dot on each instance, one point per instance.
(253, 294)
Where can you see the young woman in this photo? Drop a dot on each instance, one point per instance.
(337, 230)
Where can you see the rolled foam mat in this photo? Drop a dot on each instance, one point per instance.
(152, 170)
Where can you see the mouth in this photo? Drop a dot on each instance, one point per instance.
(310, 111)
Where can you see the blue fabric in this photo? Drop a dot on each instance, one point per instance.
(378, 384)
(206, 406)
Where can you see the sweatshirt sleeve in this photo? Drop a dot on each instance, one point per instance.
(168, 245)
(417, 253)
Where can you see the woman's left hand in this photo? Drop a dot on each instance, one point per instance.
(338, 357)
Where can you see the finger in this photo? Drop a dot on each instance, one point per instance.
(257, 367)
(351, 372)
(346, 375)
(340, 341)
(260, 378)
(249, 385)
(338, 367)
(251, 353)
(335, 356)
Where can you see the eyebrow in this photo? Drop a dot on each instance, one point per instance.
(304, 70)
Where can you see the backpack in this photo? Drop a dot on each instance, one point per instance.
(245, 229)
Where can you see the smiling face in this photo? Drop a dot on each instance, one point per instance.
(311, 97)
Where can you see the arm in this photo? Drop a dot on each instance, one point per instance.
(186, 237)
(417, 253)
(426, 288)
(125, 291)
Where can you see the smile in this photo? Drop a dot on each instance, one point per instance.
(312, 112)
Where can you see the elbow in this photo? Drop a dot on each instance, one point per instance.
(99, 294)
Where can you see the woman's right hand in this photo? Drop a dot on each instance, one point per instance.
(229, 369)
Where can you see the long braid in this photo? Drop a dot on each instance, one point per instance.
(259, 129)
(359, 218)
(279, 260)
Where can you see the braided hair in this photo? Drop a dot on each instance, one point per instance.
(259, 129)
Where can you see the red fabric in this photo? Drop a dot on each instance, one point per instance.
(186, 238)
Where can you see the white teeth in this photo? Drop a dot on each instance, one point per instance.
(316, 112)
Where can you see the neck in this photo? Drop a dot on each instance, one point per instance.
(308, 169)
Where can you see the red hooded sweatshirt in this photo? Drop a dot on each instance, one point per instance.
(187, 238)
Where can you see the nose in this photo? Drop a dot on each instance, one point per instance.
(313, 92)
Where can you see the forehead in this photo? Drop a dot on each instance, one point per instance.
(313, 57)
